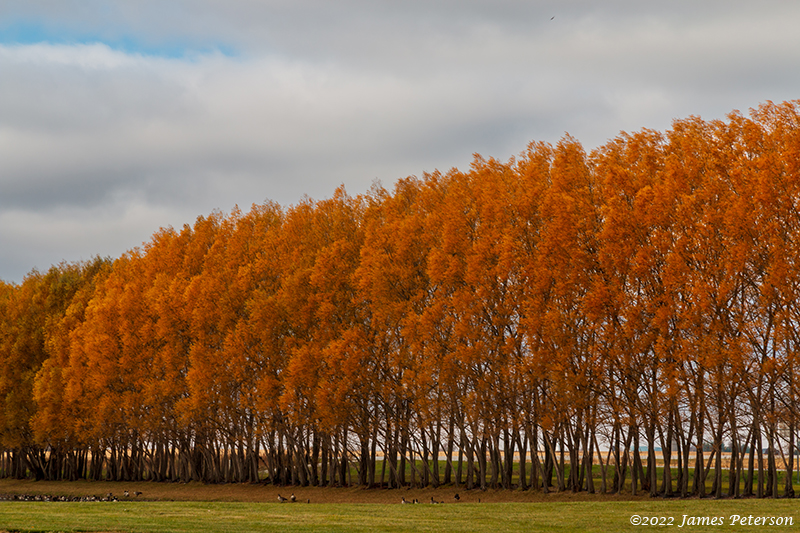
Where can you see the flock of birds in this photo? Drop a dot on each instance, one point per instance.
(433, 501)
(109, 497)
(128, 494)
(293, 499)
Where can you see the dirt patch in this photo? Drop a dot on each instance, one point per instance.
(247, 492)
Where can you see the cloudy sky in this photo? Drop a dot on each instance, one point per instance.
(119, 117)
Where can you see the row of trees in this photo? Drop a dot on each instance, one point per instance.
(513, 325)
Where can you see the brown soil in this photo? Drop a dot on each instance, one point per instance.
(247, 492)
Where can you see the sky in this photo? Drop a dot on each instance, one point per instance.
(121, 117)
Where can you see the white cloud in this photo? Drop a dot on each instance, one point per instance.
(106, 124)
(48, 237)
(96, 56)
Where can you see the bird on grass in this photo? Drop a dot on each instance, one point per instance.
(282, 499)
(293, 498)
(404, 500)
(457, 497)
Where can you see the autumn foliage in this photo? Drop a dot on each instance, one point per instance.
(512, 325)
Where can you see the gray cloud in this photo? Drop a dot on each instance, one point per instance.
(136, 115)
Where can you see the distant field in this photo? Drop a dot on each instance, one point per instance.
(175, 507)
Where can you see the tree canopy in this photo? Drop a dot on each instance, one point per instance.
(510, 325)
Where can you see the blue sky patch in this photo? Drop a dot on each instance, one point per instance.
(26, 33)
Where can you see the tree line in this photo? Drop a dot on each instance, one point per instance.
(513, 325)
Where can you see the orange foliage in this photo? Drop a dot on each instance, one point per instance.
(558, 302)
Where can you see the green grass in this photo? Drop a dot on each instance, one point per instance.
(196, 517)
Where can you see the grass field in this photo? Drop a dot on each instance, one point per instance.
(496, 517)
(173, 507)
